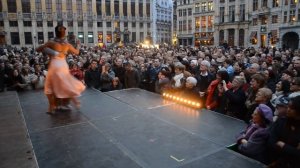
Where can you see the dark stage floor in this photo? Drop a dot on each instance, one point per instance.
(128, 128)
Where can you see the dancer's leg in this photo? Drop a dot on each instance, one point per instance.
(52, 103)
(76, 102)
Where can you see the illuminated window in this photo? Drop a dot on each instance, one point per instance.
(210, 6)
(203, 7)
(292, 15)
(197, 22)
(81, 37)
(90, 37)
(275, 3)
(203, 21)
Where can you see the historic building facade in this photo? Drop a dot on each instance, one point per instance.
(272, 23)
(94, 22)
(203, 23)
(253, 23)
(185, 32)
(231, 22)
(163, 19)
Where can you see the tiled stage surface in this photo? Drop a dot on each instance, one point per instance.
(130, 128)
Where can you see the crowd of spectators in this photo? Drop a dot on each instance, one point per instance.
(259, 86)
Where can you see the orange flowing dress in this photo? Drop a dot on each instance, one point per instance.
(59, 80)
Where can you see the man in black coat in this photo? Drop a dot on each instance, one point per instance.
(92, 76)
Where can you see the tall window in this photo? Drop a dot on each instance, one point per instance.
(107, 8)
(148, 9)
(242, 12)
(50, 35)
(15, 38)
(0, 7)
(292, 15)
(38, 6)
(264, 3)
(190, 25)
(26, 6)
(255, 5)
(231, 13)
(132, 8)
(116, 8)
(90, 37)
(141, 9)
(210, 6)
(125, 13)
(59, 6)
(184, 12)
(99, 7)
(40, 37)
(12, 7)
(180, 26)
(89, 7)
(49, 6)
(180, 12)
(203, 22)
(197, 23)
(184, 25)
(241, 37)
(197, 7)
(222, 14)
(190, 12)
(141, 36)
(79, 7)
(221, 37)
(285, 17)
(203, 6)
(275, 3)
(274, 19)
(133, 37)
(81, 37)
(28, 37)
(210, 22)
(69, 7)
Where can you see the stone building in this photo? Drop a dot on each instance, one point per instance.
(93, 22)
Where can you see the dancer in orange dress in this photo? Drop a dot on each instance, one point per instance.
(59, 82)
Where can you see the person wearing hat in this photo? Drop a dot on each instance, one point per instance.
(281, 105)
(253, 140)
(284, 140)
(59, 81)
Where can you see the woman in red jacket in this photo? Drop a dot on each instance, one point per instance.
(215, 92)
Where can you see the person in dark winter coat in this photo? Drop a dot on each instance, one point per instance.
(132, 76)
(92, 76)
(236, 98)
(284, 140)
